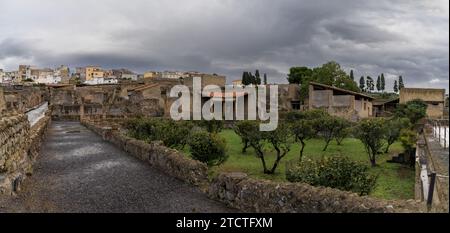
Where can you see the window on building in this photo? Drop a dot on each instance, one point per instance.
(295, 105)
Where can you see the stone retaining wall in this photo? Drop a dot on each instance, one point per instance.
(250, 195)
(19, 147)
(169, 161)
(263, 196)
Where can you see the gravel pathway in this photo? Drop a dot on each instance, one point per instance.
(78, 172)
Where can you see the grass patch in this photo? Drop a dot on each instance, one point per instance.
(395, 181)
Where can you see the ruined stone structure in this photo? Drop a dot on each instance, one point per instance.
(384, 107)
(433, 97)
(23, 98)
(339, 102)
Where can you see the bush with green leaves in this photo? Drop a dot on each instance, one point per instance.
(173, 134)
(371, 132)
(302, 129)
(212, 126)
(208, 148)
(393, 128)
(335, 172)
(331, 127)
(414, 110)
(408, 138)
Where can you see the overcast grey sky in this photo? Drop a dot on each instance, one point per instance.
(409, 38)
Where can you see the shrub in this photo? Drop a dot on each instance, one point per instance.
(172, 133)
(335, 172)
(208, 148)
(212, 126)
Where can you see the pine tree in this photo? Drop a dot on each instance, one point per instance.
(379, 83)
(362, 83)
(383, 82)
(351, 75)
(400, 83)
(369, 83)
(265, 79)
(395, 86)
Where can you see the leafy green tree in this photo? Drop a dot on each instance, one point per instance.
(332, 74)
(393, 128)
(395, 86)
(246, 79)
(400, 83)
(362, 83)
(299, 75)
(342, 130)
(414, 110)
(408, 138)
(383, 82)
(371, 132)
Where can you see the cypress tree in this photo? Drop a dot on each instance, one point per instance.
(378, 83)
(383, 82)
(257, 80)
(395, 86)
(400, 83)
(265, 79)
(362, 83)
(351, 75)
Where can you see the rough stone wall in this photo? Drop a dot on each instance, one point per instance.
(2, 102)
(434, 97)
(263, 196)
(168, 160)
(19, 146)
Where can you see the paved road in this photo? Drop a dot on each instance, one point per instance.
(78, 172)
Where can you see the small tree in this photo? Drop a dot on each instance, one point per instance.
(395, 86)
(371, 132)
(351, 75)
(244, 129)
(212, 126)
(279, 139)
(342, 130)
(328, 126)
(303, 130)
(378, 83)
(265, 79)
(393, 129)
(208, 148)
(408, 138)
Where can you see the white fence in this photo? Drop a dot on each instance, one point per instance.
(441, 132)
(36, 114)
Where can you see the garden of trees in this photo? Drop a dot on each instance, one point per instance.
(240, 145)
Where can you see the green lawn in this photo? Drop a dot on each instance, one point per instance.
(395, 181)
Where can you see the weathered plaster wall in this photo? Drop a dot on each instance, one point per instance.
(434, 98)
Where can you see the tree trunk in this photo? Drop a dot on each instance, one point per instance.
(263, 161)
(372, 161)
(387, 148)
(301, 150)
(275, 164)
(327, 142)
(245, 147)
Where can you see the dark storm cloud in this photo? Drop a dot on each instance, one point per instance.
(227, 37)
